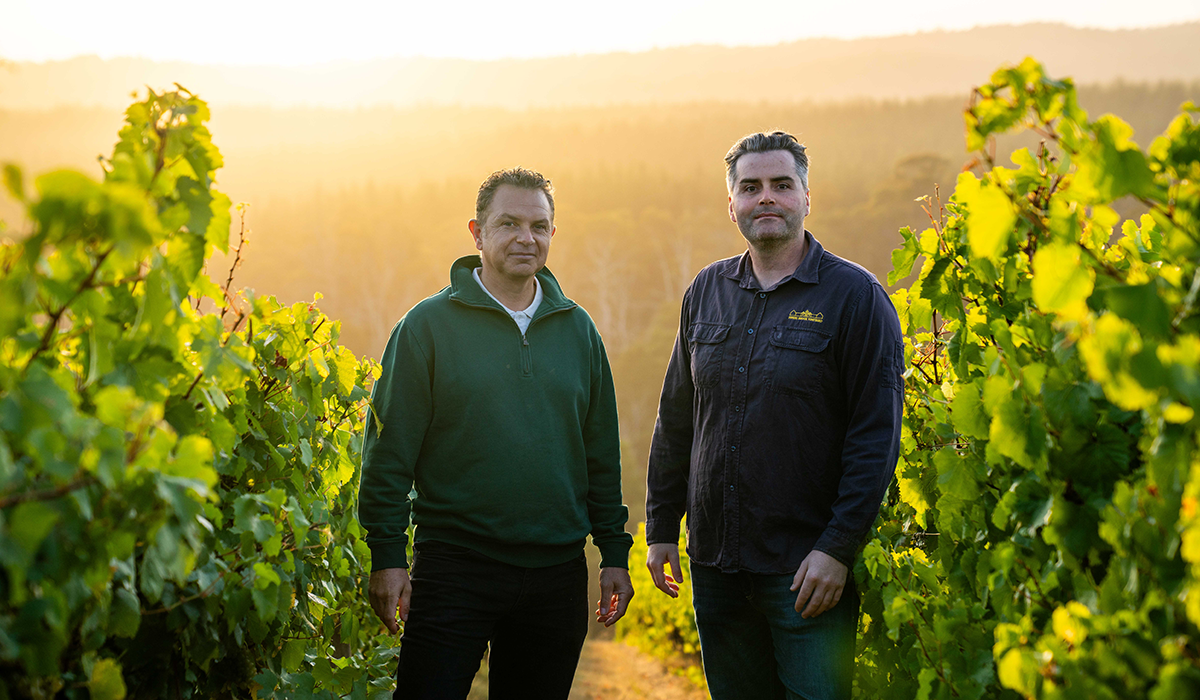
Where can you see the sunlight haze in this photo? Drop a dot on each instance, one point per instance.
(217, 216)
(306, 32)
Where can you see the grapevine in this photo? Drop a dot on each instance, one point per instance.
(177, 486)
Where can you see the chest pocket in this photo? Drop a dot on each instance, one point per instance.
(707, 344)
(798, 360)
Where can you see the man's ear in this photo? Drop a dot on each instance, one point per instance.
(732, 217)
(553, 228)
(476, 230)
(807, 202)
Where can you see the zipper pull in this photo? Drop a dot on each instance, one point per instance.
(524, 341)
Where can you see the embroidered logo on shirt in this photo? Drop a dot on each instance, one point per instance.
(806, 315)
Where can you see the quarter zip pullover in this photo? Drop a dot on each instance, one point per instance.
(509, 439)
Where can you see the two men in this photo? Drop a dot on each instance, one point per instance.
(496, 404)
(777, 435)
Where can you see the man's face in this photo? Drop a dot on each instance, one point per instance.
(515, 239)
(767, 203)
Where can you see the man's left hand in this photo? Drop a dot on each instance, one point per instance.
(615, 592)
(821, 579)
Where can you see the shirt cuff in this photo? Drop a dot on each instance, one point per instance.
(662, 531)
(614, 554)
(389, 555)
(838, 545)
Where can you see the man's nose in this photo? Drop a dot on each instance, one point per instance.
(767, 197)
(525, 234)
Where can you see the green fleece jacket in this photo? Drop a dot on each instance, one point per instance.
(510, 441)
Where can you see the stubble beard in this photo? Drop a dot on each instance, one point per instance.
(770, 242)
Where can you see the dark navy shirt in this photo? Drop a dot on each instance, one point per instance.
(779, 425)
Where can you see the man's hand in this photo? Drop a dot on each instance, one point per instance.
(615, 592)
(389, 589)
(821, 579)
(656, 559)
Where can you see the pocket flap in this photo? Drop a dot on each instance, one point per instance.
(800, 339)
(708, 332)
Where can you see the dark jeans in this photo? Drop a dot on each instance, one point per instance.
(756, 646)
(534, 619)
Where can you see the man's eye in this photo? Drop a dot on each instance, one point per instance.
(784, 186)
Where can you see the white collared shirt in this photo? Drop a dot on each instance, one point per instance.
(521, 317)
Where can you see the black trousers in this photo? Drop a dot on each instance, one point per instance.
(534, 619)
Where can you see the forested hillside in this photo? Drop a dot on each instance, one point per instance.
(369, 207)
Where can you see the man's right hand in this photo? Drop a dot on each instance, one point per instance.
(656, 560)
(389, 589)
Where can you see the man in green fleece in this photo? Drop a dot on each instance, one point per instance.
(496, 403)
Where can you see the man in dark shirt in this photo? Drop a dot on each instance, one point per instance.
(778, 432)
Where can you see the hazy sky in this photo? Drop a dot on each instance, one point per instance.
(304, 31)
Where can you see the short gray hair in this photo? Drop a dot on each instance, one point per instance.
(763, 142)
(524, 178)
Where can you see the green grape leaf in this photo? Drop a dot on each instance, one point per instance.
(1008, 434)
(29, 524)
(1018, 669)
(991, 216)
(14, 182)
(926, 677)
(125, 615)
(1112, 166)
(8, 469)
(268, 682)
(346, 367)
(265, 576)
(266, 602)
(904, 257)
(1141, 305)
(185, 257)
(116, 405)
(941, 289)
(106, 682)
(293, 654)
(1061, 283)
(305, 685)
(193, 460)
(956, 475)
(967, 413)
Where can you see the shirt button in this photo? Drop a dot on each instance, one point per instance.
(741, 369)
(762, 295)
(731, 487)
(737, 408)
(750, 331)
(733, 448)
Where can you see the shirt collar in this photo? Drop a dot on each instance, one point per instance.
(740, 270)
(466, 291)
(527, 311)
